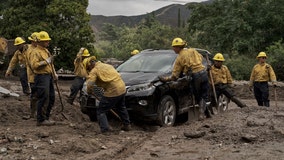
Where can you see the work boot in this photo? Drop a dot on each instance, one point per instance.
(46, 123)
(108, 131)
(266, 104)
(207, 113)
(126, 127)
(27, 92)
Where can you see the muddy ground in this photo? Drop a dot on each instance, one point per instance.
(253, 133)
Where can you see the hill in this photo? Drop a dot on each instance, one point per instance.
(167, 15)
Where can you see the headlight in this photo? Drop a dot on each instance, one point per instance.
(141, 88)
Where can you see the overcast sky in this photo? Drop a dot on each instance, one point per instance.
(129, 7)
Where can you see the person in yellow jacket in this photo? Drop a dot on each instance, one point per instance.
(261, 74)
(19, 58)
(190, 61)
(223, 80)
(33, 38)
(80, 74)
(105, 76)
(45, 75)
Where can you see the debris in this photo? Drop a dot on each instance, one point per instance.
(154, 154)
(43, 134)
(6, 92)
(51, 141)
(195, 134)
(249, 137)
(103, 147)
(3, 141)
(3, 150)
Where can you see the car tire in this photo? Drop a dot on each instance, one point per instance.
(223, 104)
(167, 111)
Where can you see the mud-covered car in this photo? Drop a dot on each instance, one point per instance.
(148, 98)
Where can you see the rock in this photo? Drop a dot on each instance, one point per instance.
(195, 134)
(3, 150)
(249, 137)
(154, 154)
(43, 134)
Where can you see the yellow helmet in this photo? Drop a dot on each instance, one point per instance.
(34, 37)
(178, 42)
(19, 40)
(218, 57)
(43, 36)
(87, 61)
(86, 53)
(261, 54)
(134, 52)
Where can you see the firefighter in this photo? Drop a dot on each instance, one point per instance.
(190, 61)
(33, 38)
(261, 74)
(105, 76)
(87, 63)
(19, 58)
(45, 75)
(80, 74)
(223, 80)
(134, 52)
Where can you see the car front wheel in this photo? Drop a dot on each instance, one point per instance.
(223, 104)
(167, 111)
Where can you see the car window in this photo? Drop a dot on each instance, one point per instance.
(148, 62)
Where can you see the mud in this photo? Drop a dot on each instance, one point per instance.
(253, 133)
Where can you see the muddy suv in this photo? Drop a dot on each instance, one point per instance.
(148, 98)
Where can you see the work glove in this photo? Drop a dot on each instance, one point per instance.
(163, 78)
(55, 78)
(49, 60)
(274, 84)
(251, 88)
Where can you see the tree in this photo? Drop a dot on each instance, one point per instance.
(66, 22)
(242, 26)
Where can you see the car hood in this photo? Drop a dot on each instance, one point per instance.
(130, 78)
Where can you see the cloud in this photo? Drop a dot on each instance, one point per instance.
(129, 7)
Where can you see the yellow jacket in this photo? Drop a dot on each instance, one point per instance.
(18, 58)
(221, 75)
(30, 72)
(105, 76)
(38, 61)
(262, 73)
(187, 59)
(80, 69)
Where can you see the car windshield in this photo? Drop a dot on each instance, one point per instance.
(148, 62)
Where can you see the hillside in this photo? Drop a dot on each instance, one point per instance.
(167, 15)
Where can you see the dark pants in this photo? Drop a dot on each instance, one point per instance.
(76, 86)
(107, 103)
(24, 80)
(45, 94)
(200, 88)
(261, 93)
(228, 92)
(33, 100)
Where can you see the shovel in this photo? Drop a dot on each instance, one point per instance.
(7, 92)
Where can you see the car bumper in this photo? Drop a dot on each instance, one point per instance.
(142, 108)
